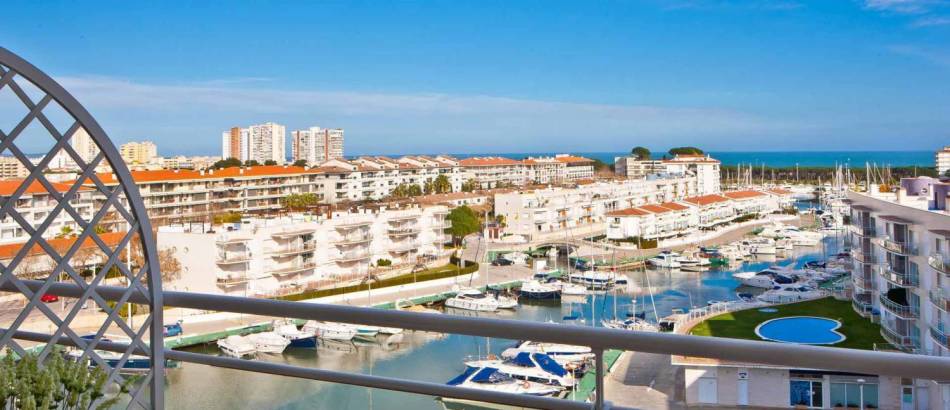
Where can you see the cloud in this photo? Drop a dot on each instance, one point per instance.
(931, 21)
(192, 116)
(904, 6)
(938, 57)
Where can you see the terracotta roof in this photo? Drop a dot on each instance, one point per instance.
(233, 172)
(706, 199)
(8, 187)
(628, 212)
(655, 208)
(674, 206)
(487, 161)
(572, 159)
(742, 194)
(8, 251)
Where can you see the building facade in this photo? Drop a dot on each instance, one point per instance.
(138, 153)
(942, 161)
(317, 145)
(12, 168)
(261, 143)
(703, 167)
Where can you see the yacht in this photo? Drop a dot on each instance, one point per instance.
(571, 289)
(759, 246)
(473, 299)
(533, 289)
(237, 346)
(665, 259)
(592, 279)
(297, 338)
(789, 293)
(135, 364)
(533, 367)
(766, 278)
(489, 378)
(268, 342)
(569, 356)
(633, 323)
(506, 302)
(330, 330)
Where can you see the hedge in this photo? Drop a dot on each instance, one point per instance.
(446, 271)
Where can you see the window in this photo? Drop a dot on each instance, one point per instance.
(805, 393)
(850, 395)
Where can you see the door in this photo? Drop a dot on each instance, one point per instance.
(743, 394)
(707, 390)
(907, 398)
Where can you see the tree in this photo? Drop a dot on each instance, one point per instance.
(470, 185)
(299, 201)
(65, 231)
(270, 162)
(641, 153)
(169, 264)
(427, 187)
(441, 184)
(226, 163)
(251, 163)
(685, 151)
(300, 163)
(464, 222)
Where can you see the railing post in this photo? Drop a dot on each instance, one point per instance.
(599, 391)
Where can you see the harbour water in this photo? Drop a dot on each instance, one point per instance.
(776, 158)
(438, 358)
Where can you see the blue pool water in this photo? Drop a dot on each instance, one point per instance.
(801, 330)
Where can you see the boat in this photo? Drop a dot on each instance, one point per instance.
(506, 302)
(134, 364)
(766, 278)
(533, 289)
(490, 378)
(330, 330)
(268, 342)
(714, 256)
(789, 293)
(665, 259)
(632, 323)
(237, 346)
(566, 355)
(534, 367)
(297, 338)
(592, 279)
(571, 289)
(473, 299)
(759, 246)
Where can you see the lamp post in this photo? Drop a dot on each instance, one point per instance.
(861, 393)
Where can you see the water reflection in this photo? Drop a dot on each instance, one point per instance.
(437, 358)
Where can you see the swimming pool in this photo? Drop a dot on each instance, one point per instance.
(806, 330)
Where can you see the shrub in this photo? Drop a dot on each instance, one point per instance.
(384, 262)
(56, 384)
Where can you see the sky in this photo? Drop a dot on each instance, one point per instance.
(505, 76)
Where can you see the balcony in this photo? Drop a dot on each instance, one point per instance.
(900, 248)
(403, 247)
(403, 231)
(232, 280)
(940, 336)
(292, 249)
(865, 230)
(940, 263)
(402, 218)
(232, 240)
(231, 258)
(353, 240)
(353, 225)
(903, 343)
(292, 233)
(352, 256)
(292, 269)
(904, 280)
(864, 255)
(863, 282)
(862, 303)
(898, 309)
(940, 299)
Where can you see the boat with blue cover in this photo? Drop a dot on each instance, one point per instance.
(490, 378)
(533, 367)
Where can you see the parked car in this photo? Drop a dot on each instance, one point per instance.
(48, 298)
(501, 262)
(173, 329)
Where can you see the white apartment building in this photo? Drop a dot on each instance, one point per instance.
(36, 204)
(317, 145)
(261, 143)
(900, 246)
(942, 161)
(545, 210)
(138, 153)
(557, 169)
(12, 168)
(266, 257)
(704, 167)
(490, 172)
(84, 146)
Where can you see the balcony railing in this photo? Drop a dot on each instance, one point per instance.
(862, 306)
(901, 342)
(598, 339)
(862, 282)
(232, 240)
(866, 230)
(353, 240)
(232, 258)
(292, 249)
(352, 256)
(231, 280)
(864, 255)
(940, 263)
(902, 311)
(901, 248)
(412, 230)
(940, 299)
(292, 233)
(294, 268)
(939, 335)
(905, 280)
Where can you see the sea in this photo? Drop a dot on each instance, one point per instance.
(775, 159)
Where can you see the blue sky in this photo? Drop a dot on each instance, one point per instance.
(520, 76)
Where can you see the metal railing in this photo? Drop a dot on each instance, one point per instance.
(903, 311)
(898, 278)
(864, 255)
(940, 299)
(904, 343)
(939, 262)
(940, 336)
(902, 248)
(598, 339)
(861, 229)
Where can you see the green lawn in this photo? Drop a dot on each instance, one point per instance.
(860, 332)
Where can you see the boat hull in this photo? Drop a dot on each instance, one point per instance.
(553, 294)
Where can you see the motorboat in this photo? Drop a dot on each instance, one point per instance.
(766, 278)
(789, 293)
(473, 299)
(533, 367)
(632, 323)
(592, 279)
(665, 259)
(297, 338)
(490, 378)
(268, 342)
(134, 364)
(237, 346)
(571, 289)
(506, 302)
(330, 330)
(533, 289)
(566, 355)
(759, 246)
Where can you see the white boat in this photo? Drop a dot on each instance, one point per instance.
(572, 289)
(533, 289)
(473, 299)
(633, 323)
(134, 364)
(330, 330)
(506, 302)
(237, 346)
(489, 378)
(297, 338)
(665, 259)
(789, 293)
(534, 367)
(759, 246)
(268, 342)
(592, 279)
(569, 356)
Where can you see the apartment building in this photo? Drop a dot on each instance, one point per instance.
(901, 271)
(492, 172)
(545, 210)
(669, 219)
(704, 167)
(261, 143)
(12, 168)
(557, 169)
(317, 145)
(35, 206)
(266, 257)
(576, 168)
(138, 153)
(942, 161)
